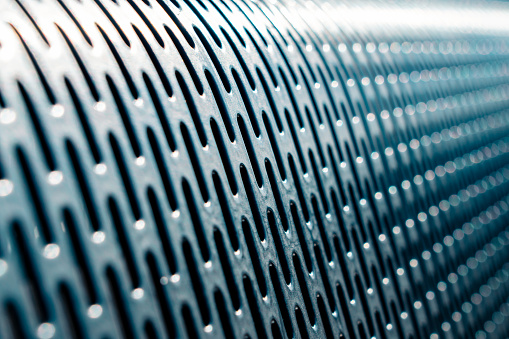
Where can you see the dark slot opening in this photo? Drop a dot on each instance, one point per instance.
(177, 22)
(83, 185)
(275, 147)
(379, 324)
(252, 203)
(150, 330)
(195, 162)
(233, 46)
(227, 270)
(162, 230)
(298, 187)
(123, 239)
(300, 235)
(252, 301)
(316, 138)
(185, 58)
(362, 331)
(296, 142)
(325, 277)
(113, 22)
(277, 195)
(285, 57)
(339, 216)
(155, 61)
(193, 111)
(226, 212)
(250, 150)
(225, 158)
(292, 98)
(74, 321)
(255, 259)
(365, 306)
(270, 98)
(47, 89)
(247, 103)
(396, 319)
(196, 282)
(189, 322)
(362, 261)
(35, 195)
(161, 114)
(346, 312)
(31, 18)
(279, 245)
(318, 179)
(215, 60)
(163, 169)
(83, 68)
(76, 22)
(38, 128)
(162, 298)
(83, 116)
(276, 332)
(16, 324)
(221, 106)
(147, 22)
(80, 256)
(119, 304)
(342, 264)
(124, 115)
(127, 76)
(126, 177)
(303, 331)
(321, 228)
(262, 55)
(304, 290)
(205, 23)
(325, 317)
(224, 314)
(194, 213)
(30, 273)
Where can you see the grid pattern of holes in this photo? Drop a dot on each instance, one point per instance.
(230, 168)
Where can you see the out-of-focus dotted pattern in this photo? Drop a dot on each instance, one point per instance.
(192, 168)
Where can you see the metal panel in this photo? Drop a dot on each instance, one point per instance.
(192, 168)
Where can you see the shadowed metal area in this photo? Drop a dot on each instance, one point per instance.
(194, 168)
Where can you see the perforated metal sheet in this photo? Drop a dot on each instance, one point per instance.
(192, 168)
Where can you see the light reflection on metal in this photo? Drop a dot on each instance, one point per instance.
(193, 168)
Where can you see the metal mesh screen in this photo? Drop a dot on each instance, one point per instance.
(192, 168)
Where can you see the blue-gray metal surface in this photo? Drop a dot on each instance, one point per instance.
(193, 168)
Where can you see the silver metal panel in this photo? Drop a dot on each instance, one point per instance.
(192, 168)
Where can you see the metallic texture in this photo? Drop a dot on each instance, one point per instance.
(193, 168)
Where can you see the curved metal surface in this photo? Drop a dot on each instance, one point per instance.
(253, 168)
